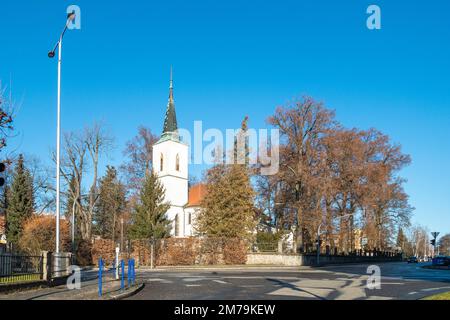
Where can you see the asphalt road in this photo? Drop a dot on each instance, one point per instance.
(343, 282)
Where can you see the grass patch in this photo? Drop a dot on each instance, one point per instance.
(20, 279)
(441, 296)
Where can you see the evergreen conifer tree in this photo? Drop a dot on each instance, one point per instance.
(20, 201)
(110, 205)
(149, 220)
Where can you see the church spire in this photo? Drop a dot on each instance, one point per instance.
(171, 85)
(170, 120)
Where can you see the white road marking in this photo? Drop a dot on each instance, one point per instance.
(193, 285)
(411, 293)
(253, 286)
(220, 281)
(159, 280)
(379, 298)
(435, 289)
(194, 279)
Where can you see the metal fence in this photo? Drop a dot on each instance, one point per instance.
(19, 268)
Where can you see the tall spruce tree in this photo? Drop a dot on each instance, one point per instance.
(110, 205)
(149, 220)
(228, 206)
(20, 201)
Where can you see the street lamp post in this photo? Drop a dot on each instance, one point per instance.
(73, 224)
(318, 243)
(51, 54)
(121, 234)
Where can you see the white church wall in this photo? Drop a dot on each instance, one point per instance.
(175, 181)
(174, 178)
(169, 150)
(189, 227)
(172, 213)
(176, 190)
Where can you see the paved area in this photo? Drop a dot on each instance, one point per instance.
(344, 282)
(88, 290)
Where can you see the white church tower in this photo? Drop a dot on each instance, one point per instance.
(170, 164)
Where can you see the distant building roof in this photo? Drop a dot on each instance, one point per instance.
(196, 195)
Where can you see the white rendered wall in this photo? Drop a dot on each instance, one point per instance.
(171, 214)
(189, 227)
(175, 182)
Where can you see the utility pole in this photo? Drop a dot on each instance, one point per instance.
(121, 234)
(73, 224)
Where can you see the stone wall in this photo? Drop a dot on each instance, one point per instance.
(311, 260)
(274, 259)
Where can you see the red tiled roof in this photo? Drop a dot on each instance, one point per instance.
(196, 195)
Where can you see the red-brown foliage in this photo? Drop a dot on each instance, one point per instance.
(39, 234)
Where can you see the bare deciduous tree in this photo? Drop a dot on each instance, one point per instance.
(82, 151)
(329, 172)
(138, 152)
(7, 107)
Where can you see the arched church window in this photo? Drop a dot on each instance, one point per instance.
(161, 165)
(177, 163)
(177, 226)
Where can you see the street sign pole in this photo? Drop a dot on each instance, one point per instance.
(435, 235)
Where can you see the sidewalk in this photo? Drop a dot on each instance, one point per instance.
(89, 291)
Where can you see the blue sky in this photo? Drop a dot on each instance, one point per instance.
(237, 58)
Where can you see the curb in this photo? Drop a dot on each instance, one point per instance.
(436, 267)
(231, 266)
(127, 294)
(24, 286)
(255, 269)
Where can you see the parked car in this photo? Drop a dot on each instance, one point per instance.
(441, 261)
(412, 260)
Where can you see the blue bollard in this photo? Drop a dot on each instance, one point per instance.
(100, 271)
(129, 272)
(133, 270)
(122, 280)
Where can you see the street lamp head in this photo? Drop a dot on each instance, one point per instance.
(71, 16)
(51, 54)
